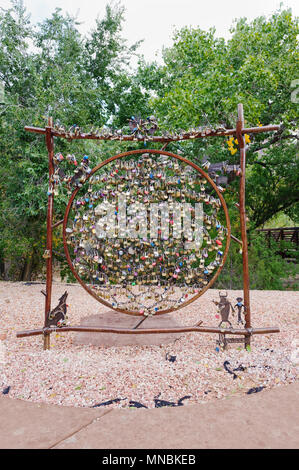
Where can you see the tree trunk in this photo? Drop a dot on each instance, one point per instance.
(7, 266)
(27, 270)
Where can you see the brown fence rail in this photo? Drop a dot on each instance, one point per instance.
(287, 234)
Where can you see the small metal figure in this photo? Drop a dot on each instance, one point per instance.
(240, 305)
(143, 127)
(224, 307)
(57, 317)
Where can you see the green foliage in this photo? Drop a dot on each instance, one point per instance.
(203, 80)
(267, 269)
(279, 220)
(52, 70)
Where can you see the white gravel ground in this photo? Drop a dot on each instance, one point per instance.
(86, 375)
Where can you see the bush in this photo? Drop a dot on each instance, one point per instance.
(267, 269)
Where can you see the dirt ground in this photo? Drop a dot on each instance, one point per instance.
(186, 371)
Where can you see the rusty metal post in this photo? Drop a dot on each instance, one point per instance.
(50, 147)
(242, 210)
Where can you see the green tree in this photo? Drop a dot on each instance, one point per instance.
(267, 269)
(203, 80)
(51, 70)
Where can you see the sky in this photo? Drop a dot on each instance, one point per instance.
(156, 20)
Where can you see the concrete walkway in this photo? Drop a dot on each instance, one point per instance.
(269, 419)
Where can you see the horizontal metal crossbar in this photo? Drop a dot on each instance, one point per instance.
(178, 329)
(161, 138)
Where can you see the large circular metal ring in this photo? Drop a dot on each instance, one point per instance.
(143, 158)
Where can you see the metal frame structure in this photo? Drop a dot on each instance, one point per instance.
(123, 155)
(239, 132)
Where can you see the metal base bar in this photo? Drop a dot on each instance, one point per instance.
(179, 329)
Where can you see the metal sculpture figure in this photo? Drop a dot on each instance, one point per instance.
(224, 307)
(239, 306)
(57, 317)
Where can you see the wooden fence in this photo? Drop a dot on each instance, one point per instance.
(288, 234)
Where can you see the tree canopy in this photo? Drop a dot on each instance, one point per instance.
(205, 77)
(50, 69)
(46, 70)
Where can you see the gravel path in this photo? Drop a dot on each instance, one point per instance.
(141, 375)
